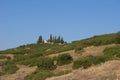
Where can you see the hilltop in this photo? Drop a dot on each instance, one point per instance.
(95, 58)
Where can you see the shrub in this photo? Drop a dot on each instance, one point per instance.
(1, 73)
(117, 38)
(86, 62)
(9, 68)
(81, 63)
(3, 57)
(39, 75)
(112, 52)
(46, 63)
(64, 59)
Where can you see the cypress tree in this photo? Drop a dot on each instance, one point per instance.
(40, 40)
(62, 41)
(55, 39)
(51, 38)
(58, 39)
(118, 38)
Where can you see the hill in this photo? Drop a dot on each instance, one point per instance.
(41, 61)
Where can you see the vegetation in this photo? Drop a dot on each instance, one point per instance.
(79, 49)
(96, 41)
(56, 40)
(40, 40)
(118, 38)
(62, 73)
(64, 59)
(43, 74)
(39, 75)
(3, 57)
(9, 69)
(35, 55)
(109, 54)
(112, 52)
(46, 63)
(86, 62)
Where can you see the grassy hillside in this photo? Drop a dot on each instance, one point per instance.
(36, 55)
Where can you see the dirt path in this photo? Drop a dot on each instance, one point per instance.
(20, 74)
(107, 71)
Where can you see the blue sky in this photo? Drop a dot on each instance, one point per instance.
(22, 21)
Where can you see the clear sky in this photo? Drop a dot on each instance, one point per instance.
(22, 21)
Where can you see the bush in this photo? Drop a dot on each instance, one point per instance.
(3, 57)
(86, 62)
(1, 73)
(81, 63)
(46, 63)
(117, 38)
(64, 59)
(112, 52)
(39, 75)
(9, 69)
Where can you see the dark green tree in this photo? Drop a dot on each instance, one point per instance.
(58, 39)
(51, 38)
(118, 38)
(62, 41)
(40, 40)
(55, 39)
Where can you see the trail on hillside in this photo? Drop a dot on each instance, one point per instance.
(20, 74)
(108, 71)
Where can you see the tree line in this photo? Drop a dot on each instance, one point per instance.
(52, 40)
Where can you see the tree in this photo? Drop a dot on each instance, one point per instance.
(62, 41)
(55, 39)
(58, 39)
(40, 40)
(118, 38)
(51, 38)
